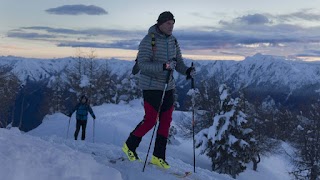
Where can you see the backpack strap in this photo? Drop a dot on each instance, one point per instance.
(153, 41)
(153, 45)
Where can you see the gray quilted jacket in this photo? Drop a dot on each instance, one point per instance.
(152, 75)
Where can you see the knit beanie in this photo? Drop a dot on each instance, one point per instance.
(164, 17)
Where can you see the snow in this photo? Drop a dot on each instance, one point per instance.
(46, 153)
(26, 157)
(84, 81)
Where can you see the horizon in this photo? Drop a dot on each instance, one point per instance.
(214, 30)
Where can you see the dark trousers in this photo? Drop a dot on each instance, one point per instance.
(83, 124)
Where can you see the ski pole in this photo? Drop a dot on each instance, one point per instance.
(68, 127)
(159, 109)
(193, 124)
(94, 125)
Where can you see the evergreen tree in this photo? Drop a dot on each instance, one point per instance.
(76, 75)
(307, 143)
(105, 86)
(227, 141)
(206, 103)
(83, 77)
(9, 87)
(128, 89)
(56, 97)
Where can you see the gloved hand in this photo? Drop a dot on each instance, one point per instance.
(191, 72)
(170, 65)
(94, 117)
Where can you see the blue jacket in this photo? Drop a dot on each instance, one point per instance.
(82, 111)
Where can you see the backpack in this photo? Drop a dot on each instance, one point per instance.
(135, 69)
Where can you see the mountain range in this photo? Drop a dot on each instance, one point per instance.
(290, 82)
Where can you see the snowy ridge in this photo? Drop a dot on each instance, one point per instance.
(37, 69)
(264, 70)
(260, 69)
(256, 71)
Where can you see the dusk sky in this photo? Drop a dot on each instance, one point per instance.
(205, 29)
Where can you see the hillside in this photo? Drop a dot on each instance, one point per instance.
(45, 153)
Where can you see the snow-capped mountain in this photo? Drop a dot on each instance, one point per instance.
(257, 70)
(287, 80)
(37, 69)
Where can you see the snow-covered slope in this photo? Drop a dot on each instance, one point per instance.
(46, 153)
(32, 158)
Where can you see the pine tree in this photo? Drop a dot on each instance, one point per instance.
(55, 99)
(105, 86)
(206, 103)
(227, 141)
(9, 87)
(307, 143)
(127, 89)
(76, 74)
(83, 76)
(258, 119)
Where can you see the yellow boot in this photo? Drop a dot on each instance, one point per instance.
(159, 162)
(130, 146)
(132, 156)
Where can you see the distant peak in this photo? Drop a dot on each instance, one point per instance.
(263, 57)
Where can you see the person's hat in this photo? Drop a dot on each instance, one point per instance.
(84, 97)
(164, 17)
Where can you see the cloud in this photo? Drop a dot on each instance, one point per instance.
(26, 35)
(256, 31)
(310, 53)
(229, 38)
(125, 44)
(225, 37)
(254, 19)
(305, 14)
(243, 33)
(88, 32)
(77, 10)
(51, 30)
(251, 19)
